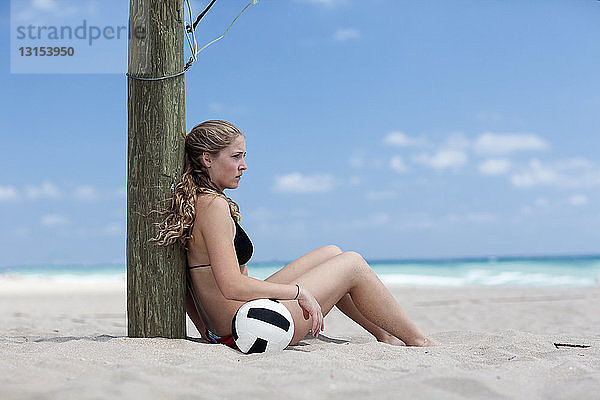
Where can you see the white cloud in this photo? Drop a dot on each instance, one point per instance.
(299, 183)
(535, 174)
(494, 166)
(443, 159)
(343, 35)
(400, 139)
(46, 190)
(452, 155)
(8, 193)
(86, 192)
(578, 200)
(573, 173)
(54, 220)
(398, 165)
(498, 144)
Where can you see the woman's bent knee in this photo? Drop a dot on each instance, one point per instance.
(354, 256)
(332, 249)
(355, 261)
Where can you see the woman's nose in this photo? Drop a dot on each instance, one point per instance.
(243, 166)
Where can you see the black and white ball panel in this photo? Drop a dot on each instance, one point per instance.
(262, 325)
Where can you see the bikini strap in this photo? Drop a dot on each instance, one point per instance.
(198, 266)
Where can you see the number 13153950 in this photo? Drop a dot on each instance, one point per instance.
(47, 51)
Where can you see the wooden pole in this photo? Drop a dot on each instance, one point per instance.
(156, 132)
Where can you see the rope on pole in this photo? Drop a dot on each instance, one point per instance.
(192, 42)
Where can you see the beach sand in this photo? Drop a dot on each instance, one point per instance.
(68, 341)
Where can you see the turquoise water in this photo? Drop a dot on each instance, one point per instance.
(565, 271)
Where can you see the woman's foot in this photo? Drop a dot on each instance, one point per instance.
(422, 342)
(390, 339)
(418, 342)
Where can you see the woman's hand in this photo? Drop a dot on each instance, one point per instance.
(311, 308)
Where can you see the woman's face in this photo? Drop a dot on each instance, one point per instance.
(225, 168)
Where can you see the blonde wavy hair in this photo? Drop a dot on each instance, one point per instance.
(208, 137)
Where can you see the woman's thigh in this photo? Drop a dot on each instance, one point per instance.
(328, 282)
(303, 264)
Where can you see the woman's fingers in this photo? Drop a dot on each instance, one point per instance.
(320, 325)
(317, 322)
(311, 309)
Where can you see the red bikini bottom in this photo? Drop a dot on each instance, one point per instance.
(226, 340)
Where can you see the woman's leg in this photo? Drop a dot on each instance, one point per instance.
(303, 264)
(298, 267)
(349, 273)
(347, 306)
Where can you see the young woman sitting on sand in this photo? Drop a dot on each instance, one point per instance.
(205, 221)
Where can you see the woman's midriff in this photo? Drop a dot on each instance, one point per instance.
(218, 310)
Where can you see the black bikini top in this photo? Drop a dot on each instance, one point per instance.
(243, 247)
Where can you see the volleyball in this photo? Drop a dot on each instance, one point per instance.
(262, 325)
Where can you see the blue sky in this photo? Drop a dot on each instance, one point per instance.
(398, 129)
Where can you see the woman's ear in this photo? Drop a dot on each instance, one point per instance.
(206, 159)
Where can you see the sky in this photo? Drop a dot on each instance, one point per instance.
(398, 129)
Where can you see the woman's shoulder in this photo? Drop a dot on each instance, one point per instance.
(212, 206)
(212, 219)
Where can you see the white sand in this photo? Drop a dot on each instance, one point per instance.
(497, 343)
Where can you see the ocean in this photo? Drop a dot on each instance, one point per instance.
(563, 271)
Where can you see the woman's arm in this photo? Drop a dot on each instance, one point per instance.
(218, 231)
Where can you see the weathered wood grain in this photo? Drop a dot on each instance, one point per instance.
(156, 132)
